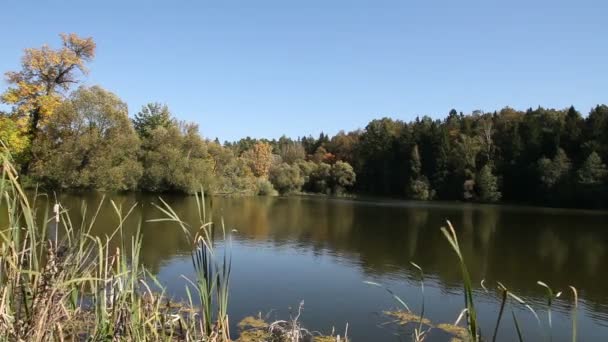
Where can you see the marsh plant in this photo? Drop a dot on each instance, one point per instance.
(470, 329)
(59, 282)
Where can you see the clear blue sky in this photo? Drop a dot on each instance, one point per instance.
(267, 68)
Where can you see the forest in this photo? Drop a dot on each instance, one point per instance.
(70, 137)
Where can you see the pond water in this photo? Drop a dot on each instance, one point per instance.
(322, 250)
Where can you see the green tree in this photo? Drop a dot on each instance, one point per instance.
(176, 159)
(343, 177)
(320, 179)
(553, 171)
(150, 117)
(593, 171)
(465, 162)
(286, 178)
(487, 185)
(418, 187)
(90, 144)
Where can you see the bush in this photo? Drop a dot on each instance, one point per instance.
(265, 188)
(286, 178)
(420, 190)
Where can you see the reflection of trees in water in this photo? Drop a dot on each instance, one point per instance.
(552, 250)
(517, 247)
(514, 246)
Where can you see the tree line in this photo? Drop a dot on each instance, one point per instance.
(68, 137)
(83, 138)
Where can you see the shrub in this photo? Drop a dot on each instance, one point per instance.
(286, 178)
(265, 188)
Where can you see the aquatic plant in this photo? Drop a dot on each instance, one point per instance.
(472, 331)
(58, 281)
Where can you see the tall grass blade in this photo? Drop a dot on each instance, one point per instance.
(450, 235)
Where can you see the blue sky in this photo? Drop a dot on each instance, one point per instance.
(267, 68)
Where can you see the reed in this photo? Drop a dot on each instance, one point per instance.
(472, 326)
(59, 282)
(473, 332)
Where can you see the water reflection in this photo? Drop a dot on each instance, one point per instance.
(517, 246)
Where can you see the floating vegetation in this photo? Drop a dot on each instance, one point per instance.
(405, 317)
(252, 322)
(459, 333)
(257, 329)
(472, 332)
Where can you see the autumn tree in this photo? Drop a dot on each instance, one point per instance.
(46, 75)
(290, 151)
(260, 159)
(13, 137)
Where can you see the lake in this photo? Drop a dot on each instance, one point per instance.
(322, 250)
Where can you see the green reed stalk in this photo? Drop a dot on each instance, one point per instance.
(450, 235)
(212, 274)
(74, 285)
(519, 335)
(504, 292)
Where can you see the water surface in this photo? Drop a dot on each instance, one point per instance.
(322, 250)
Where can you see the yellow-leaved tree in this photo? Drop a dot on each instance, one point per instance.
(46, 75)
(259, 158)
(12, 137)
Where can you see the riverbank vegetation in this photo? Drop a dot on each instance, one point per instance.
(82, 138)
(59, 282)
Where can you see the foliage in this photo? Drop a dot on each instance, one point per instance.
(291, 151)
(265, 188)
(151, 117)
(487, 185)
(342, 177)
(175, 159)
(319, 179)
(593, 171)
(89, 144)
(542, 156)
(591, 182)
(13, 136)
(286, 178)
(419, 188)
(260, 159)
(552, 171)
(232, 175)
(36, 90)
(76, 286)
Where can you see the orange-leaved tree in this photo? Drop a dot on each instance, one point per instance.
(260, 159)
